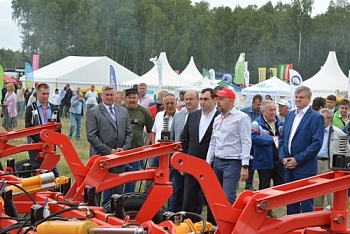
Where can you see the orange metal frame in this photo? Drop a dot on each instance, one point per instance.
(247, 215)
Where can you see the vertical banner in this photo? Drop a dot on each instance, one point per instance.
(286, 73)
(349, 84)
(212, 74)
(295, 81)
(1, 79)
(28, 71)
(160, 74)
(281, 70)
(112, 78)
(246, 75)
(205, 73)
(35, 62)
(273, 71)
(262, 74)
(239, 70)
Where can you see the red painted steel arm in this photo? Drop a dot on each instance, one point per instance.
(248, 213)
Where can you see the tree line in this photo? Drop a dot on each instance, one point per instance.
(132, 31)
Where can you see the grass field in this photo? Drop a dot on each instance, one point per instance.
(82, 148)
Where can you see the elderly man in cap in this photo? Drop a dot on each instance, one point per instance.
(139, 118)
(283, 109)
(229, 148)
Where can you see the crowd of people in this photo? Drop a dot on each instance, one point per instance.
(282, 147)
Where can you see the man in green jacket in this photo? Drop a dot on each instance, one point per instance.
(341, 116)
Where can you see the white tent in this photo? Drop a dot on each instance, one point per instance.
(170, 80)
(199, 85)
(81, 72)
(329, 79)
(191, 72)
(272, 86)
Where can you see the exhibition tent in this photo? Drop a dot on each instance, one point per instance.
(170, 80)
(272, 86)
(191, 72)
(329, 80)
(79, 71)
(199, 85)
(9, 79)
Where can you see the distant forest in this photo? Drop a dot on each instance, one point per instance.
(132, 31)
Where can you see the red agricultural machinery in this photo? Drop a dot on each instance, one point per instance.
(41, 203)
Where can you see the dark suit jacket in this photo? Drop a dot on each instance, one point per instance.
(306, 143)
(31, 121)
(190, 135)
(67, 97)
(103, 135)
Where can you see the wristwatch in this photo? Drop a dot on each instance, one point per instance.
(245, 166)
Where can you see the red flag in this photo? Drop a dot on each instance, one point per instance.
(286, 73)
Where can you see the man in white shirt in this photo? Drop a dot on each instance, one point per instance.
(91, 97)
(229, 148)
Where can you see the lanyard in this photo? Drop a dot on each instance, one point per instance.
(269, 128)
(222, 119)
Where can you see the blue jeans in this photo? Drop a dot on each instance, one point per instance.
(130, 187)
(75, 120)
(228, 172)
(20, 109)
(154, 162)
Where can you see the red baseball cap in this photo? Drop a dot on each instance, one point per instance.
(228, 93)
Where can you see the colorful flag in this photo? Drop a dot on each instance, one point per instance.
(281, 70)
(295, 81)
(35, 61)
(205, 73)
(239, 70)
(112, 77)
(1, 78)
(262, 74)
(273, 71)
(286, 74)
(28, 71)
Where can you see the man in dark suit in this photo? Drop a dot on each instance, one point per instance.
(191, 99)
(195, 140)
(300, 140)
(108, 131)
(65, 102)
(38, 113)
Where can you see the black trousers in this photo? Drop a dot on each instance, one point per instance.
(194, 199)
(276, 174)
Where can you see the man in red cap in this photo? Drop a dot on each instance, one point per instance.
(229, 149)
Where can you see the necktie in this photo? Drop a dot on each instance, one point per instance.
(45, 114)
(111, 112)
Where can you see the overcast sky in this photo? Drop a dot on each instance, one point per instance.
(10, 39)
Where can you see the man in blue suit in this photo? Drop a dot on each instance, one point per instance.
(300, 140)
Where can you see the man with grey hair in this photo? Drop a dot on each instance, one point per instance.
(265, 133)
(329, 148)
(108, 131)
(299, 143)
(159, 105)
(169, 102)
